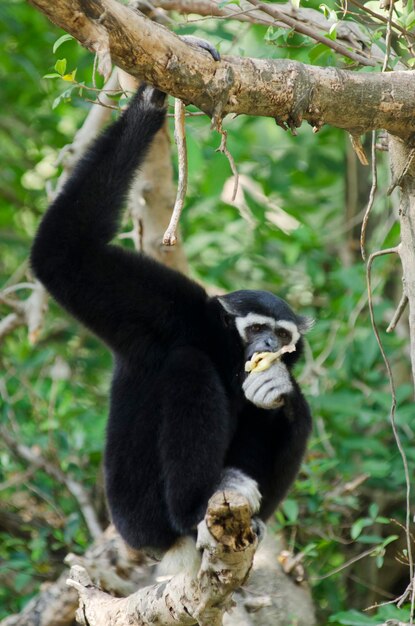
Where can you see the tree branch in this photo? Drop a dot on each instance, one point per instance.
(170, 236)
(228, 544)
(403, 171)
(76, 489)
(349, 34)
(291, 22)
(287, 90)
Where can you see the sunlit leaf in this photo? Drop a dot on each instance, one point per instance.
(60, 41)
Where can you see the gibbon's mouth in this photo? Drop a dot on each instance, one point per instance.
(261, 361)
(262, 346)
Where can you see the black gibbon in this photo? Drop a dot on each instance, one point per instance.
(185, 418)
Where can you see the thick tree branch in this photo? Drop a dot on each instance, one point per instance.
(228, 545)
(286, 90)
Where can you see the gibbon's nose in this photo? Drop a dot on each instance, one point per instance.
(265, 343)
(272, 343)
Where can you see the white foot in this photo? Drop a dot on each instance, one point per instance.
(235, 480)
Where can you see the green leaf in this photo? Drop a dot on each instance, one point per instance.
(373, 510)
(65, 95)
(370, 539)
(358, 526)
(291, 510)
(225, 3)
(60, 66)
(332, 34)
(60, 41)
(54, 75)
(379, 560)
(318, 51)
(351, 618)
(271, 34)
(70, 77)
(325, 9)
(389, 540)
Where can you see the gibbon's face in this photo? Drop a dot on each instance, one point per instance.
(266, 323)
(261, 333)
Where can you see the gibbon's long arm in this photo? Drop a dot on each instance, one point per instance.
(114, 292)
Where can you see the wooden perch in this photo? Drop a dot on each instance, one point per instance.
(279, 88)
(228, 543)
(270, 595)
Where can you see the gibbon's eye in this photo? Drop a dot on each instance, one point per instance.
(257, 328)
(283, 334)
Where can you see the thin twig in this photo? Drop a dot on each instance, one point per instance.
(224, 149)
(372, 257)
(191, 114)
(310, 32)
(371, 198)
(94, 70)
(381, 18)
(16, 305)
(234, 15)
(216, 11)
(403, 596)
(398, 313)
(351, 561)
(9, 323)
(76, 489)
(98, 101)
(170, 236)
(358, 148)
(388, 36)
(398, 180)
(17, 287)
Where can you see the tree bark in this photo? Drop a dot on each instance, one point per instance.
(269, 598)
(402, 157)
(229, 547)
(286, 90)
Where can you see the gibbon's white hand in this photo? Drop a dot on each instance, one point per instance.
(267, 389)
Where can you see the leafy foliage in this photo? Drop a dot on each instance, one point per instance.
(53, 396)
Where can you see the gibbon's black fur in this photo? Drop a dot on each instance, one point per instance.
(178, 414)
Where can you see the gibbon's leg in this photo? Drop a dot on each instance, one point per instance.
(194, 437)
(195, 434)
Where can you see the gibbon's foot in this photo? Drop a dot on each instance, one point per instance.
(151, 96)
(234, 479)
(202, 43)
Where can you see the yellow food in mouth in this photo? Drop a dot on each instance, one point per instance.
(262, 361)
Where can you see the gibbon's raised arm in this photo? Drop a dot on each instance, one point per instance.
(114, 292)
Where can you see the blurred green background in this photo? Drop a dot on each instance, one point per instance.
(350, 495)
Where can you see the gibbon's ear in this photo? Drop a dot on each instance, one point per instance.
(229, 304)
(305, 323)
